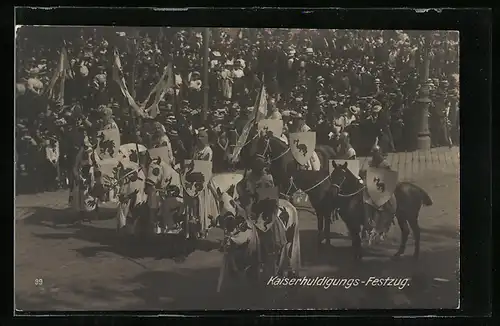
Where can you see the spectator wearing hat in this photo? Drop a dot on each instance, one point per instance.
(226, 80)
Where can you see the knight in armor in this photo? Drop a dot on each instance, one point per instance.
(274, 113)
(80, 198)
(298, 123)
(387, 210)
(259, 176)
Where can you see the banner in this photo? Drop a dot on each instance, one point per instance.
(54, 91)
(120, 79)
(166, 81)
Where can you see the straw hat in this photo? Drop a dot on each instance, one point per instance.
(354, 109)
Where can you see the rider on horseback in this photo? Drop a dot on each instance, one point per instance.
(373, 215)
(258, 177)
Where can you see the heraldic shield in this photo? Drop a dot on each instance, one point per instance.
(159, 153)
(109, 172)
(302, 145)
(195, 176)
(108, 143)
(380, 184)
(129, 151)
(352, 165)
(272, 125)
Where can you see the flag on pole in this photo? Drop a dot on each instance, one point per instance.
(166, 81)
(120, 79)
(55, 89)
(260, 106)
(260, 109)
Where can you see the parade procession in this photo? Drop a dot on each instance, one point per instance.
(188, 131)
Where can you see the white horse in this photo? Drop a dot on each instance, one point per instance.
(245, 239)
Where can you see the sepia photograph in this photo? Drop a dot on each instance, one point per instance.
(188, 169)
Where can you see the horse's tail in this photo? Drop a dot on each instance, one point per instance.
(426, 199)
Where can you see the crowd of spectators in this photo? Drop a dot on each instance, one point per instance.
(371, 76)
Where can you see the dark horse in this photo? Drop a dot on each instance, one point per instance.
(289, 178)
(349, 200)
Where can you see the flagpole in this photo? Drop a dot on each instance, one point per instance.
(206, 38)
(257, 101)
(134, 122)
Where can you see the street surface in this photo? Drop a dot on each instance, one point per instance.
(66, 266)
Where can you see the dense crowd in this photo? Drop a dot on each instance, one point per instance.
(363, 82)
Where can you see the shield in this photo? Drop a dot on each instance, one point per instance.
(129, 151)
(160, 153)
(264, 193)
(108, 143)
(108, 172)
(225, 180)
(272, 125)
(195, 176)
(380, 184)
(352, 165)
(302, 145)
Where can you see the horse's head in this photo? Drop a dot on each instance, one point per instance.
(343, 180)
(268, 146)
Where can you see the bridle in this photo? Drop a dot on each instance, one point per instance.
(339, 187)
(268, 148)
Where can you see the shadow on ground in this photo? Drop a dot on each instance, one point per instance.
(66, 226)
(50, 217)
(433, 283)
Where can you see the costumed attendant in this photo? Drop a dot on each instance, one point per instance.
(80, 197)
(205, 205)
(387, 210)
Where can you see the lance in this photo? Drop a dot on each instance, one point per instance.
(133, 93)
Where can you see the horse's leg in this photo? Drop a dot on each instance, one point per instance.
(327, 222)
(354, 231)
(413, 221)
(321, 222)
(405, 231)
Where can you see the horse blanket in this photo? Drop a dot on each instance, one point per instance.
(259, 238)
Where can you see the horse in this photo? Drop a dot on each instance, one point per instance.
(349, 199)
(246, 240)
(289, 178)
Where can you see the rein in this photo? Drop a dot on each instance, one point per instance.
(268, 146)
(308, 189)
(339, 187)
